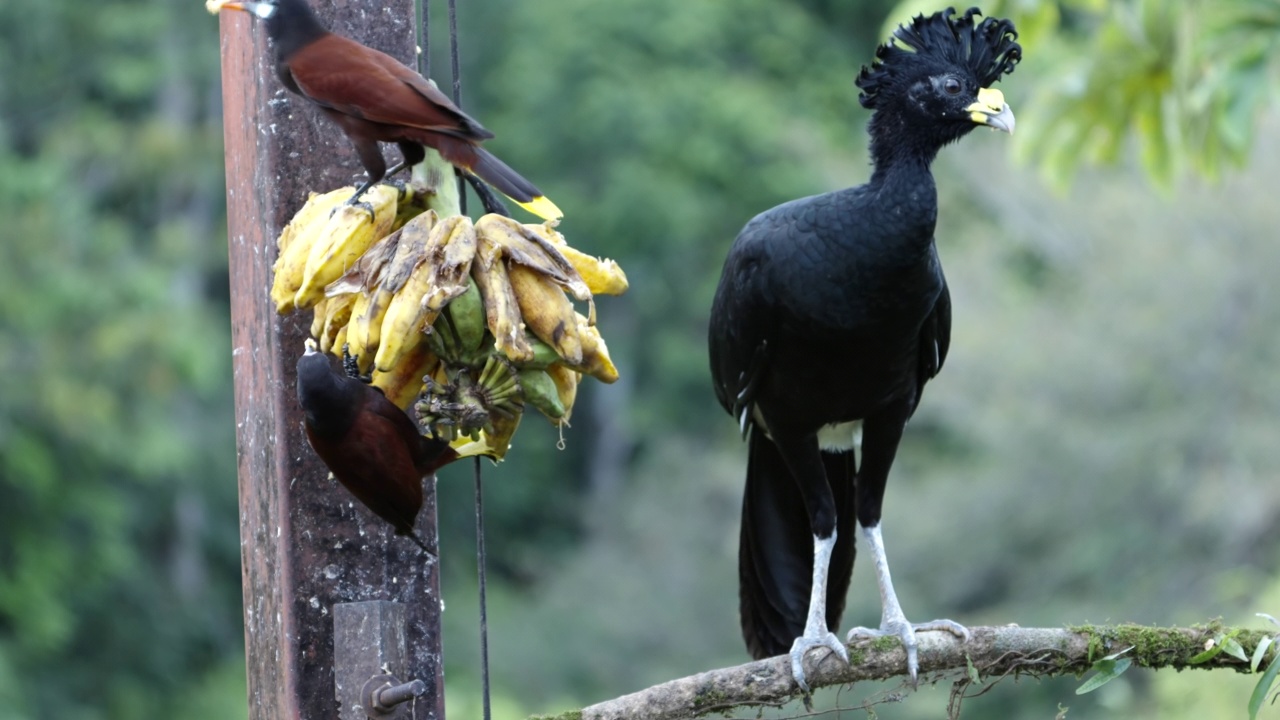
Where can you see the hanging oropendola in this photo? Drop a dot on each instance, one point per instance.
(374, 98)
(370, 445)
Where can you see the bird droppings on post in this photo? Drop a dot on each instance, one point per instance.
(281, 155)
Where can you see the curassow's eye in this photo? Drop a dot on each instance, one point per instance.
(951, 86)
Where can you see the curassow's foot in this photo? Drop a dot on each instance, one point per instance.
(906, 632)
(804, 644)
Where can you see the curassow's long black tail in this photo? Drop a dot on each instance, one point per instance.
(775, 550)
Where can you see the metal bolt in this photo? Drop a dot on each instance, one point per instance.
(382, 693)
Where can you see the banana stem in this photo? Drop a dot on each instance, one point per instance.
(435, 177)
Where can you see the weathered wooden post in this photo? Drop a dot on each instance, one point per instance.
(305, 546)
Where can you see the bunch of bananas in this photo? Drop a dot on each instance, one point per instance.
(465, 322)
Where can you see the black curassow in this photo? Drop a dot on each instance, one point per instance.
(831, 315)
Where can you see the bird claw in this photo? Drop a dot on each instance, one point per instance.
(351, 366)
(356, 202)
(906, 632)
(804, 644)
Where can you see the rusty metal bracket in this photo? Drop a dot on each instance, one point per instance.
(369, 653)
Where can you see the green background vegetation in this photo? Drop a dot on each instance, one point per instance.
(1101, 447)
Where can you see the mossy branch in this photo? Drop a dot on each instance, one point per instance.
(995, 652)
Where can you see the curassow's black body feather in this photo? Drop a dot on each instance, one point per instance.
(833, 310)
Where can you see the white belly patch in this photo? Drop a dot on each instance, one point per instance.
(837, 437)
(841, 437)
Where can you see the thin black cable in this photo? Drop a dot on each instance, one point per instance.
(423, 7)
(456, 68)
(453, 53)
(484, 613)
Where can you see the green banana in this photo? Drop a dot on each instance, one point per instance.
(466, 312)
(540, 391)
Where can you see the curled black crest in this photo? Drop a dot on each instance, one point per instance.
(987, 48)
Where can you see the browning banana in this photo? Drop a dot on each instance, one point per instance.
(567, 381)
(501, 310)
(547, 311)
(404, 383)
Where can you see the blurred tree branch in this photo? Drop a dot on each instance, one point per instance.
(991, 654)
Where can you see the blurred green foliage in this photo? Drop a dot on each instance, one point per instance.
(118, 552)
(1100, 447)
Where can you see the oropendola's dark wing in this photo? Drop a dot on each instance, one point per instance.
(342, 75)
(374, 98)
(375, 464)
(371, 446)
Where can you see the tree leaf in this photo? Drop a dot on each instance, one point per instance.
(1207, 655)
(1259, 653)
(1232, 647)
(1263, 687)
(1107, 670)
(973, 671)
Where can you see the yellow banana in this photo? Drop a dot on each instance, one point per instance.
(366, 326)
(294, 245)
(404, 382)
(566, 380)
(349, 232)
(339, 340)
(319, 312)
(355, 337)
(502, 313)
(312, 216)
(337, 315)
(547, 311)
(439, 276)
(367, 271)
(595, 354)
(527, 248)
(602, 276)
(405, 318)
(409, 251)
(493, 445)
(455, 248)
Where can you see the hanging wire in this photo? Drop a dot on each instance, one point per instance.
(484, 613)
(456, 69)
(453, 53)
(423, 8)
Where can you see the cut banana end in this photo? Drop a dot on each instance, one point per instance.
(493, 446)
